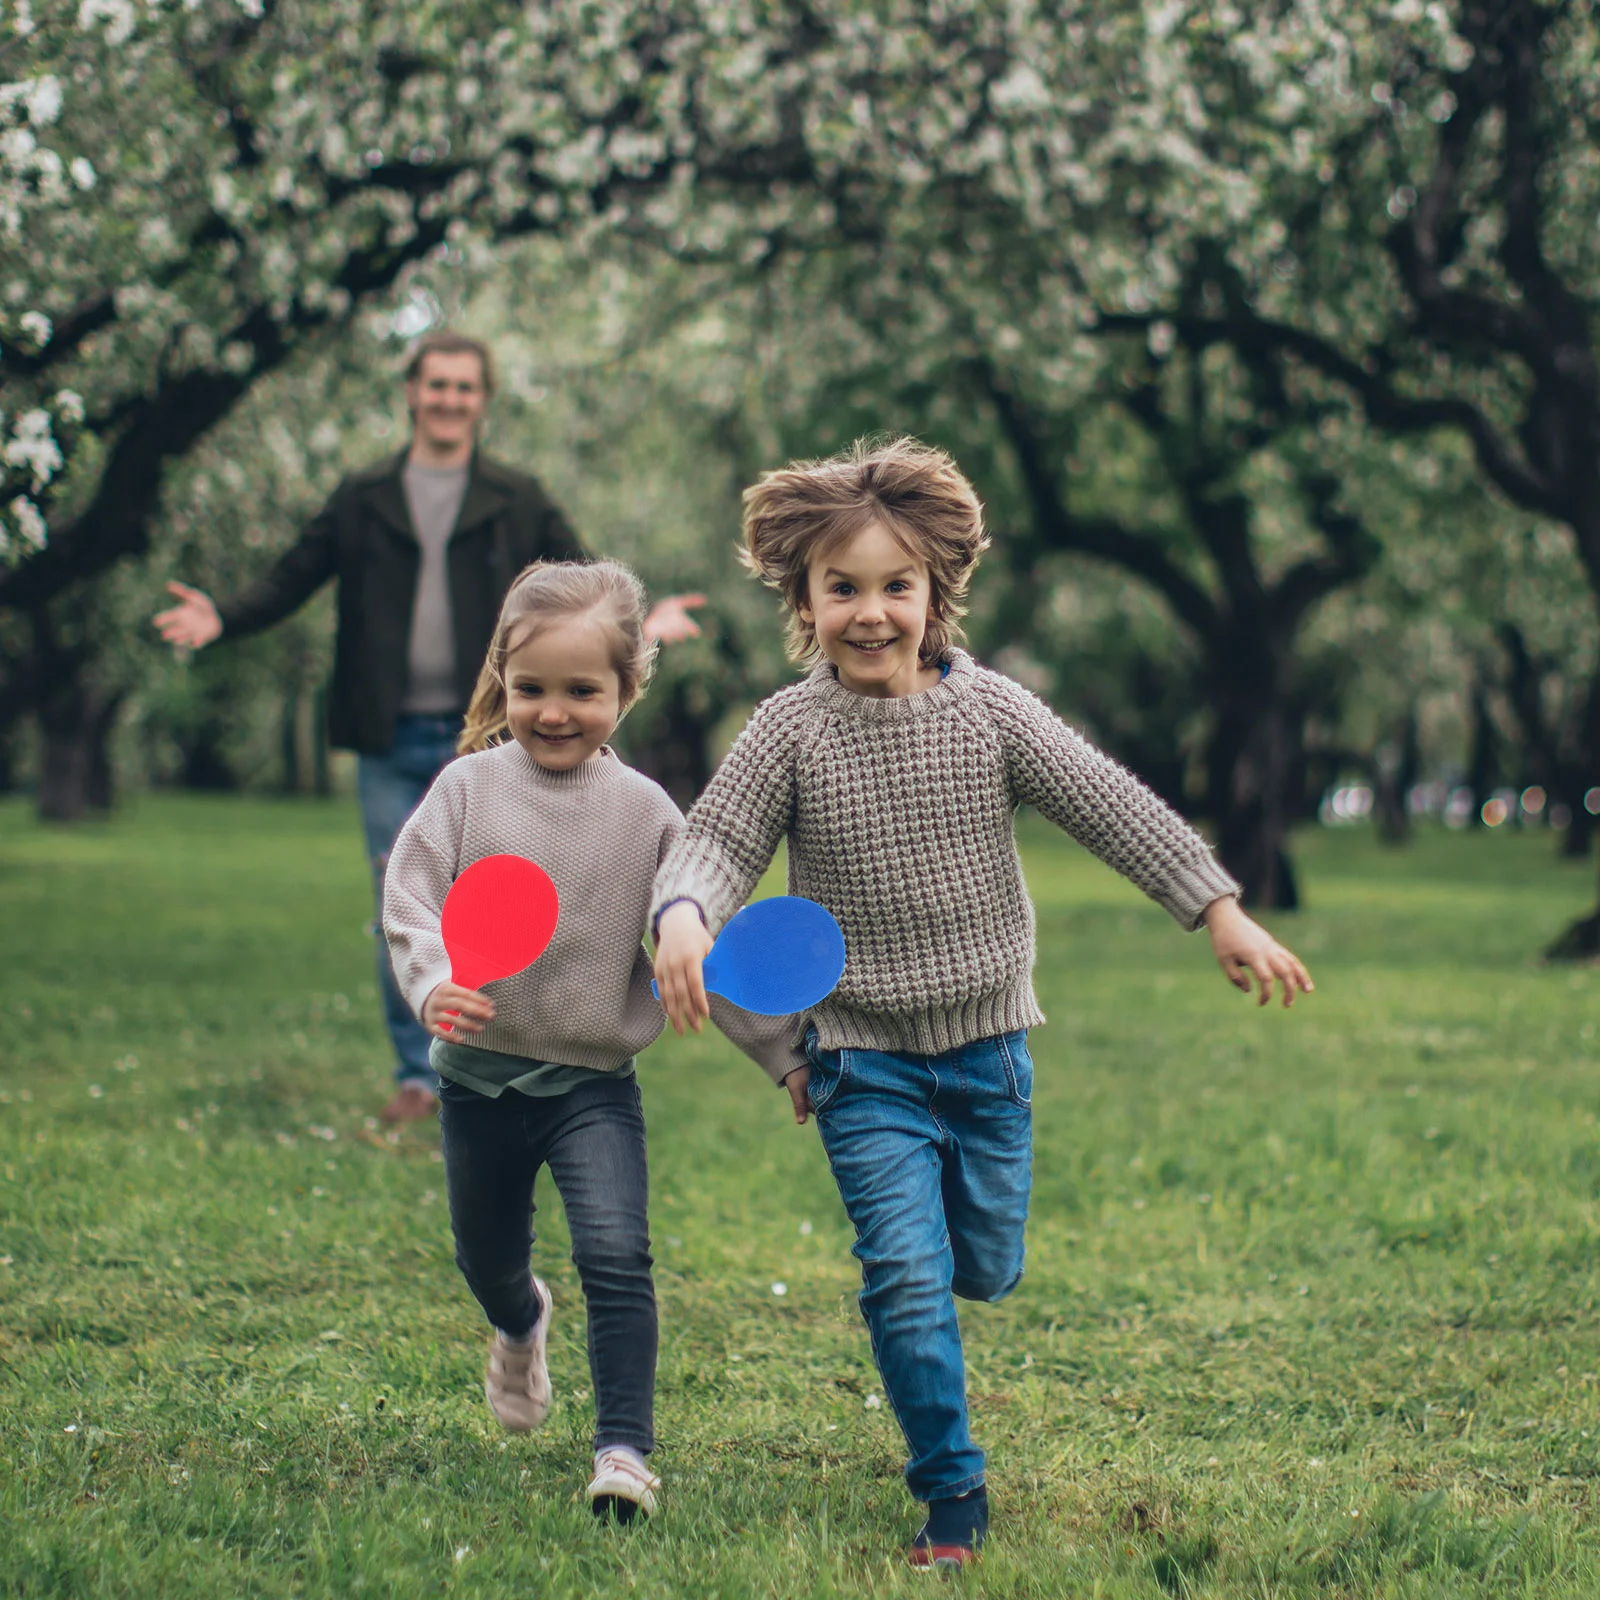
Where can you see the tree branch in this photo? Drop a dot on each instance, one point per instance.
(1100, 537)
(1384, 405)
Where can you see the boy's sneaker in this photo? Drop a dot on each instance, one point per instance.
(953, 1534)
(517, 1384)
(623, 1487)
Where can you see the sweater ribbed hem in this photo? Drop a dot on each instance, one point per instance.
(602, 1056)
(929, 1032)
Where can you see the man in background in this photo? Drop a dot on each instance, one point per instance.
(423, 545)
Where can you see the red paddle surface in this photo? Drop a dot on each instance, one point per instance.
(498, 918)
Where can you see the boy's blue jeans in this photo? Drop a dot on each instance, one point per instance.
(390, 788)
(933, 1157)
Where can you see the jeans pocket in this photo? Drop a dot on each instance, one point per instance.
(828, 1071)
(1019, 1067)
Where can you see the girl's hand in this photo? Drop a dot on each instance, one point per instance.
(451, 1011)
(682, 945)
(1243, 948)
(798, 1084)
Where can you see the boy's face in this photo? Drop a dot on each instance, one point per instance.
(563, 699)
(868, 601)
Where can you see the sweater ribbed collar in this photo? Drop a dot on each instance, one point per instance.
(603, 768)
(826, 688)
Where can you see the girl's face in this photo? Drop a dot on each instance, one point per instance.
(563, 696)
(868, 601)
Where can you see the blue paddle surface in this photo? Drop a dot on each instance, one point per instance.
(776, 957)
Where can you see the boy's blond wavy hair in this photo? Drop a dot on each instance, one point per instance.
(808, 508)
(554, 591)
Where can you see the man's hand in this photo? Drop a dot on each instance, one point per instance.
(669, 621)
(450, 1011)
(682, 945)
(1244, 948)
(798, 1084)
(193, 623)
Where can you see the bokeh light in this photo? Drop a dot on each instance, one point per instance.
(1495, 811)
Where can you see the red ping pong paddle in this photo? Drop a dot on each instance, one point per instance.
(497, 919)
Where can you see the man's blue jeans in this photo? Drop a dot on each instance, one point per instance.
(933, 1157)
(390, 788)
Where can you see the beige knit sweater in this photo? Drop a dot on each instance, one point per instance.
(899, 814)
(601, 831)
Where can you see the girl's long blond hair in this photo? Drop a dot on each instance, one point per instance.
(553, 591)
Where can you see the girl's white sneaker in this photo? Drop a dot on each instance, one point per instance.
(623, 1486)
(517, 1384)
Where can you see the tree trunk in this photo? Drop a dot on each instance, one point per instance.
(1395, 769)
(321, 770)
(75, 726)
(678, 753)
(1483, 758)
(289, 742)
(1252, 768)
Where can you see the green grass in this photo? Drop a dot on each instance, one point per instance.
(1310, 1307)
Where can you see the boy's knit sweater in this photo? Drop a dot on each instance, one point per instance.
(601, 831)
(898, 814)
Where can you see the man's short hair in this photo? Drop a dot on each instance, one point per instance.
(445, 343)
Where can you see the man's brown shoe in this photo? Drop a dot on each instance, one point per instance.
(412, 1102)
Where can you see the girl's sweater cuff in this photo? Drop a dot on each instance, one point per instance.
(418, 991)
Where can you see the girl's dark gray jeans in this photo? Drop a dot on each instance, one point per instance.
(592, 1140)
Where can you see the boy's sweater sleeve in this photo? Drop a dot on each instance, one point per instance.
(1104, 807)
(770, 1042)
(421, 868)
(734, 827)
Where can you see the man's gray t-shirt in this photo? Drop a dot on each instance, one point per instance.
(433, 496)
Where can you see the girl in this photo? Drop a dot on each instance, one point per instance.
(537, 1069)
(895, 770)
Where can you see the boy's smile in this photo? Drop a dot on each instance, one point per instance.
(868, 601)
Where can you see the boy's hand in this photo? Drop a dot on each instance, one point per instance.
(450, 1011)
(1243, 947)
(682, 945)
(798, 1084)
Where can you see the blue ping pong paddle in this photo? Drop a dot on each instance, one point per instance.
(775, 957)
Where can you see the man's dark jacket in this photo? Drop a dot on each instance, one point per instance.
(363, 537)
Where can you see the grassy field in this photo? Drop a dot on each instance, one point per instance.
(1310, 1308)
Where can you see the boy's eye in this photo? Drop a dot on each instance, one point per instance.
(899, 586)
(843, 588)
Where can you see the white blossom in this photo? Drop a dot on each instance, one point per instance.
(118, 16)
(30, 521)
(32, 447)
